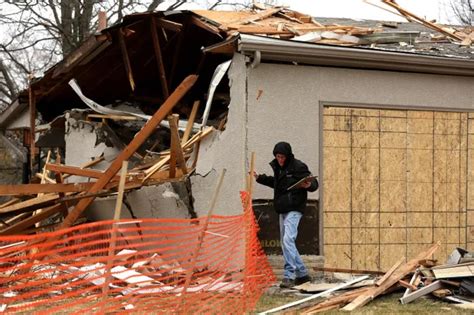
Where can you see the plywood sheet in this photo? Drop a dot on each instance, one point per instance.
(337, 219)
(419, 235)
(393, 124)
(419, 166)
(391, 219)
(337, 236)
(337, 123)
(362, 139)
(337, 139)
(391, 253)
(337, 164)
(393, 196)
(419, 141)
(337, 195)
(393, 113)
(393, 164)
(393, 235)
(411, 179)
(414, 202)
(419, 219)
(420, 125)
(393, 140)
(360, 123)
(337, 256)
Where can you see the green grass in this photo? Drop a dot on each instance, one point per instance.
(388, 304)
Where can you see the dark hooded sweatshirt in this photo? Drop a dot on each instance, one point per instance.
(293, 170)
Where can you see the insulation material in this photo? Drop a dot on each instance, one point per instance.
(395, 181)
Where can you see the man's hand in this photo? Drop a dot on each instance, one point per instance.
(255, 175)
(305, 184)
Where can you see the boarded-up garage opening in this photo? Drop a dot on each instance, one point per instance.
(395, 181)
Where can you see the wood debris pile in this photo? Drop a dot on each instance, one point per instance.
(418, 277)
(44, 206)
(281, 22)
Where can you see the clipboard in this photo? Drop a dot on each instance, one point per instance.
(304, 179)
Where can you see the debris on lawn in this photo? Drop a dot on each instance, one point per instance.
(452, 282)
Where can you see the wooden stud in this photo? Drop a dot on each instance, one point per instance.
(34, 189)
(190, 124)
(177, 156)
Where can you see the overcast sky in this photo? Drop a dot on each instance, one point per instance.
(358, 9)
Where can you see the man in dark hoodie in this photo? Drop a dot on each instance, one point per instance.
(290, 205)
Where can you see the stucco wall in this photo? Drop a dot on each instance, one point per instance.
(283, 103)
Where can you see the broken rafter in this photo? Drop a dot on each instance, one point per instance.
(254, 17)
(190, 123)
(126, 59)
(159, 58)
(30, 204)
(411, 16)
(137, 141)
(208, 27)
(169, 25)
(73, 170)
(176, 151)
(34, 189)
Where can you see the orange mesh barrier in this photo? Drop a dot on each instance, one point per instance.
(145, 265)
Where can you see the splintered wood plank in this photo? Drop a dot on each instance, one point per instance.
(390, 272)
(177, 156)
(353, 271)
(34, 189)
(30, 204)
(137, 141)
(404, 270)
(189, 125)
(255, 17)
(73, 170)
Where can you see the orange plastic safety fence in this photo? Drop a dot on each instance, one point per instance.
(182, 266)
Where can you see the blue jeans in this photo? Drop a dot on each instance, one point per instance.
(294, 266)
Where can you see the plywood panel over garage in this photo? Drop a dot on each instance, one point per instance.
(395, 181)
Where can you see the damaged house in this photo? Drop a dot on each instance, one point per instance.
(381, 115)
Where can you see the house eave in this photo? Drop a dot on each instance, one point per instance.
(271, 49)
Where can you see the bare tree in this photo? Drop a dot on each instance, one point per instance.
(38, 33)
(463, 11)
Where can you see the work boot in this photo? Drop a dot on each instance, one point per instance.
(287, 283)
(301, 280)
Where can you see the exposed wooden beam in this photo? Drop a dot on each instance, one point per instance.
(169, 25)
(189, 125)
(138, 140)
(208, 27)
(74, 170)
(177, 156)
(30, 204)
(159, 57)
(126, 59)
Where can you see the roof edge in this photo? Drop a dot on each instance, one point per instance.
(326, 55)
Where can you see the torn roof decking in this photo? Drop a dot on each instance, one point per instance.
(98, 65)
